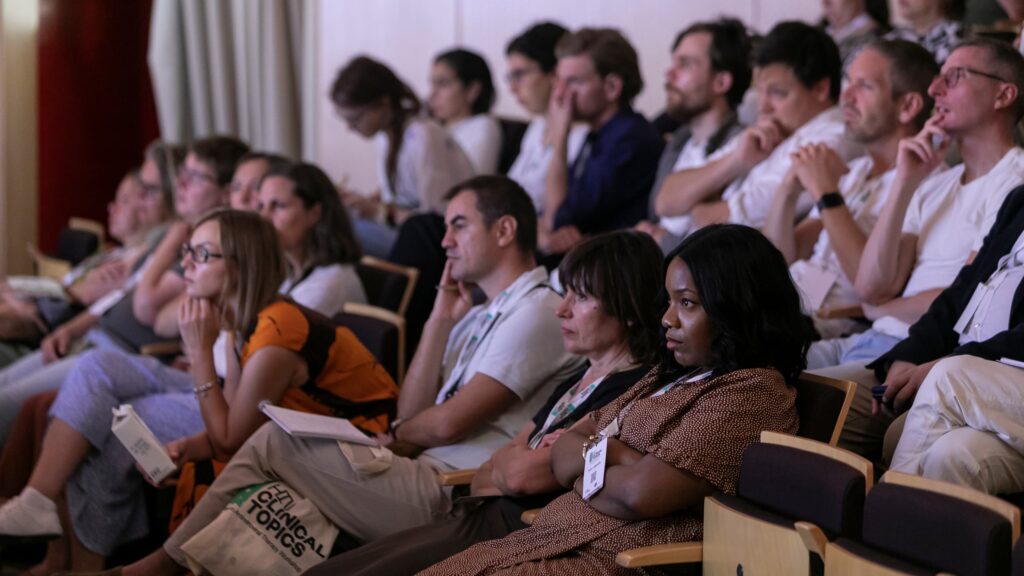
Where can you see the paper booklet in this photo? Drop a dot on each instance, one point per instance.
(37, 287)
(304, 424)
(142, 444)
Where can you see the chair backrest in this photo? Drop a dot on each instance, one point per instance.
(914, 524)
(381, 331)
(793, 495)
(388, 285)
(90, 226)
(48, 266)
(512, 132)
(75, 245)
(822, 404)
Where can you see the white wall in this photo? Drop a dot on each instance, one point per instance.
(406, 34)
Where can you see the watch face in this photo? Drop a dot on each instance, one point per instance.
(831, 200)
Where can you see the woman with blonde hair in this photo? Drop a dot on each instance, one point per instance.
(283, 352)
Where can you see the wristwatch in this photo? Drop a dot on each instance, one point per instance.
(830, 200)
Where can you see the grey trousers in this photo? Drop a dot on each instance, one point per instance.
(366, 507)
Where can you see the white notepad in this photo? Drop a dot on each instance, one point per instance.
(304, 424)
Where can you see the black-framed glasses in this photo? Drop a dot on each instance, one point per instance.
(199, 254)
(954, 75)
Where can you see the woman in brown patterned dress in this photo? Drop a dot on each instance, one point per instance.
(734, 327)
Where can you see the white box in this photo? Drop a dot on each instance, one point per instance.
(141, 443)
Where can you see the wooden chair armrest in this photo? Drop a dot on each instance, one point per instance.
(855, 311)
(168, 348)
(529, 516)
(456, 478)
(676, 553)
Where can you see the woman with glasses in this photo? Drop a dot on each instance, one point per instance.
(530, 60)
(282, 352)
(417, 161)
(461, 97)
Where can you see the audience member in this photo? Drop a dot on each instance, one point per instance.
(530, 58)
(964, 425)
(417, 161)
(27, 314)
(244, 187)
(934, 24)
(319, 247)
(290, 355)
(930, 226)
(734, 327)
(606, 187)
(709, 74)
(479, 374)
(885, 99)
(609, 316)
(797, 80)
(461, 97)
(144, 311)
(851, 26)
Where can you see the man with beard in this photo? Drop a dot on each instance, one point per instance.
(886, 99)
(797, 73)
(709, 73)
(606, 187)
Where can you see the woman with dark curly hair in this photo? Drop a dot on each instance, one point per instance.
(735, 329)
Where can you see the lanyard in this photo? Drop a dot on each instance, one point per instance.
(612, 429)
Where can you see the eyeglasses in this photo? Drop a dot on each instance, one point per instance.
(199, 254)
(190, 176)
(954, 75)
(516, 76)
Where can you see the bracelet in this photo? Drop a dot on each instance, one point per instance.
(200, 391)
(589, 443)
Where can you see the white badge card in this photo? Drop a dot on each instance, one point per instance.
(593, 471)
(815, 284)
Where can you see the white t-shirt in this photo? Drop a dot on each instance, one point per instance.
(864, 199)
(523, 350)
(479, 137)
(693, 155)
(750, 197)
(950, 220)
(530, 169)
(327, 288)
(429, 163)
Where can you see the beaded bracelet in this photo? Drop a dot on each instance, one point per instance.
(200, 391)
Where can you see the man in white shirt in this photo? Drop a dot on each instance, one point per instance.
(706, 81)
(885, 99)
(931, 225)
(797, 77)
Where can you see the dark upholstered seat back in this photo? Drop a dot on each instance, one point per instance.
(76, 245)
(380, 338)
(804, 486)
(937, 532)
(819, 406)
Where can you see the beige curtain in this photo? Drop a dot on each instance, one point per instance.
(239, 67)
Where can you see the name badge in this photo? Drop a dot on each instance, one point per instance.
(593, 471)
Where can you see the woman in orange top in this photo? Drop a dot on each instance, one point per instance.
(290, 355)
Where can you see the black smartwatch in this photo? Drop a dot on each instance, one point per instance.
(830, 200)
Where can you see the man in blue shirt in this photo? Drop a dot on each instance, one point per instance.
(606, 188)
